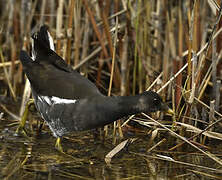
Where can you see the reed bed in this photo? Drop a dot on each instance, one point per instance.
(126, 47)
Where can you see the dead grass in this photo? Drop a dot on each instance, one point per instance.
(172, 46)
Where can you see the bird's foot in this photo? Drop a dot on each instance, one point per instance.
(21, 128)
(58, 145)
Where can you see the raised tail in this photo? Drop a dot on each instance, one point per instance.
(43, 50)
(42, 42)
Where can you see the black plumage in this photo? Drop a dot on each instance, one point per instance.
(69, 102)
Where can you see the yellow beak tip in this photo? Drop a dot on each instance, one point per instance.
(170, 112)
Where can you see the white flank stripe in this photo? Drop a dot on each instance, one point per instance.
(55, 100)
(58, 100)
(46, 99)
(51, 44)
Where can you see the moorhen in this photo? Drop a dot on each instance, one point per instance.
(69, 102)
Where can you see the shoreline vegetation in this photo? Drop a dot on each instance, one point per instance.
(126, 47)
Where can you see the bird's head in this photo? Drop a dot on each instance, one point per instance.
(152, 102)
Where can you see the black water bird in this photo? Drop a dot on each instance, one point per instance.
(69, 102)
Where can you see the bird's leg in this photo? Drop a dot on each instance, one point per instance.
(58, 145)
(21, 127)
(40, 127)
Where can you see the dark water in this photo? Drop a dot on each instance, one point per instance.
(36, 158)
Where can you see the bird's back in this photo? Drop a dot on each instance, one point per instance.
(50, 75)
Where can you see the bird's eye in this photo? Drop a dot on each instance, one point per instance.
(156, 102)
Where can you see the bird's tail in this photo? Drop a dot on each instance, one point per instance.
(42, 42)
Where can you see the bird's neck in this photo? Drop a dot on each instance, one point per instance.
(128, 105)
(118, 107)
